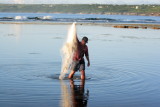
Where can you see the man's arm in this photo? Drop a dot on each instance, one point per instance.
(87, 56)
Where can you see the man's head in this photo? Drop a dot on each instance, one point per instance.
(84, 40)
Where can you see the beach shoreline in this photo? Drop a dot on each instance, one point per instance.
(116, 25)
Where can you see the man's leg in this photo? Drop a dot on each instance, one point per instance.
(74, 68)
(82, 74)
(82, 69)
(71, 74)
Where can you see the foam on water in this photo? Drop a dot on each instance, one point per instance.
(50, 17)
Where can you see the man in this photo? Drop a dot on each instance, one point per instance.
(78, 60)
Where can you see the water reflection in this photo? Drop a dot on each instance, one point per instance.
(79, 97)
(16, 29)
(66, 99)
(74, 95)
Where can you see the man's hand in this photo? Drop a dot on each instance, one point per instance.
(88, 64)
(87, 57)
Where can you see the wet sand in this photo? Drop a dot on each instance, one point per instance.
(94, 24)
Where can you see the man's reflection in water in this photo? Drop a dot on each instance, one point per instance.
(79, 96)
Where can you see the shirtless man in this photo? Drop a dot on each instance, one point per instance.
(78, 60)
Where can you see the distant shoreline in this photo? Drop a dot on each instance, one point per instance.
(107, 13)
(138, 10)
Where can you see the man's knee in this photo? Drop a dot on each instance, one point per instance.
(71, 74)
(82, 72)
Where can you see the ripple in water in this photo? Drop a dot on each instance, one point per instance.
(122, 74)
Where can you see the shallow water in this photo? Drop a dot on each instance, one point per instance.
(124, 71)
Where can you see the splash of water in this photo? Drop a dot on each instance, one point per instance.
(68, 49)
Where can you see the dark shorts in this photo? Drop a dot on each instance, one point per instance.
(78, 65)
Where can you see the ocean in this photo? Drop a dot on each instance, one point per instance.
(85, 18)
(124, 71)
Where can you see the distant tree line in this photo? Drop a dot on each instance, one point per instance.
(81, 8)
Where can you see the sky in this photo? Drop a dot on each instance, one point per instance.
(81, 1)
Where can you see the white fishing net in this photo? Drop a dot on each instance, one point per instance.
(68, 49)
